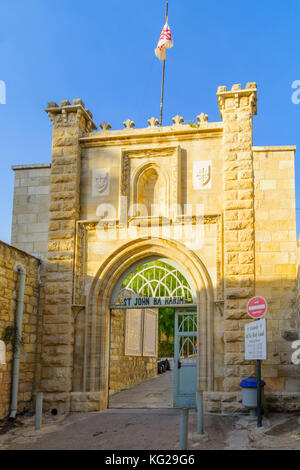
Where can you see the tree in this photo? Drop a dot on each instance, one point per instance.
(166, 325)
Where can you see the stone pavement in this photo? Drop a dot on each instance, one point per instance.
(142, 418)
(151, 429)
(153, 393)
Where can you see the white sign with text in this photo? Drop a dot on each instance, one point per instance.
(256, 340)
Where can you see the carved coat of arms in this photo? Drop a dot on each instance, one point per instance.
(201, 174)
(101, 180)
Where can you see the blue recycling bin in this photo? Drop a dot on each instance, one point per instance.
(249, 393)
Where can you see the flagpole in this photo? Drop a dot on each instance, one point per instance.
(163, 80)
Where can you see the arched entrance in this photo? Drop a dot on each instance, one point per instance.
(107, 284)
(142, 332)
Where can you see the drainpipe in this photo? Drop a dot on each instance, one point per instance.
(20, 306)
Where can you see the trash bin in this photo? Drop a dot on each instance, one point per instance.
(249, 393)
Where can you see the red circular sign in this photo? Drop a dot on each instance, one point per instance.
(257, 307)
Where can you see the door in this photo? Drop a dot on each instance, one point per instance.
(185, 360)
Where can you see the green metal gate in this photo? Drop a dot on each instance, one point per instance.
(185, 360)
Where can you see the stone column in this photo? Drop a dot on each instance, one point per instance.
(237, 108)
(70, 122)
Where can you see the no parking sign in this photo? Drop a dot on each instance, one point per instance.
(257, 307)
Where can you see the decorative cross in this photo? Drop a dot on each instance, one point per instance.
(177, 120)
(105, 126)
(129, 124)
(153, 122)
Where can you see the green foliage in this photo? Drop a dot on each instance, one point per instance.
(12, 336)
(194, 124)
(165, 349)
(8, 334)
(166, 326)
(166, 322)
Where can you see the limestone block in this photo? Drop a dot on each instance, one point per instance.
(287, 270)
(231, 384)
(233, 336)
(268, 184)
(229, 397)
(233, 408)
(235, 359)
(231, 236)
(246, 258)
(212, 407)
(233, 371)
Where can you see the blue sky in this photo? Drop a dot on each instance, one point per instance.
(103, 52)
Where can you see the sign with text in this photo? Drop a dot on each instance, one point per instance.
(256, 340)
(257, 307)
(154, 301)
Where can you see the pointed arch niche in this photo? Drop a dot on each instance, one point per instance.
(150, 177)
(150, 190)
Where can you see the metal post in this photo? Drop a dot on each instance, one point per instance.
(258, 383)
(163, 80)
(200, 412)
(162, 93)
(258, 380)
(17, 350)
(38, 410)
(184, 423)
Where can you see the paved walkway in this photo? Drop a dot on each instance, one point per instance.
(151, 429)
(153, 393)
(143, 418)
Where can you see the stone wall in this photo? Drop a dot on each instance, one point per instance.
(31, 208)
(231, 402)
(10, 257)
(276, 259)
(126, 371)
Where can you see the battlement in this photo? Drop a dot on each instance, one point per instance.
(238, 98)
(67, 114)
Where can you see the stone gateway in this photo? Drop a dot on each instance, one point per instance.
(197, 198)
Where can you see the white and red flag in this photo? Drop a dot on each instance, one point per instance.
(165, 42)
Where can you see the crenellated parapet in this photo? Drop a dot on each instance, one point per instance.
(238, 98)
(68, 115)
